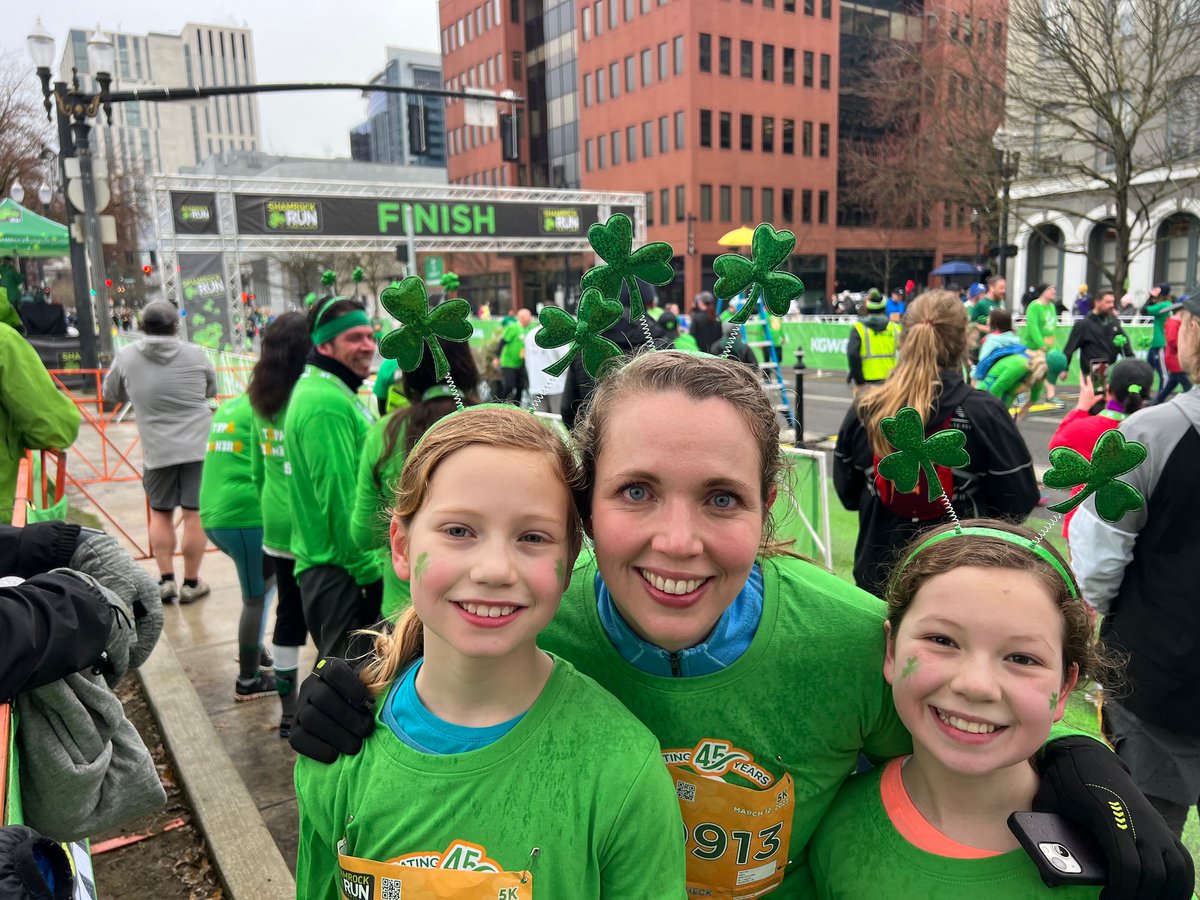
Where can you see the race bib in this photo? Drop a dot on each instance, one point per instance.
(420, 876)
(737, 837)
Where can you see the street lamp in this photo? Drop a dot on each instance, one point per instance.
(74, 106)
(1008, 164)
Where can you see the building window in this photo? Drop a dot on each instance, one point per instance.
(589, 155)
(518, 66)
(647, 68)
(628, 10)
(806, 207)
(823, 140)
(650, 207)
(601, 150)
(808, 68)
(679, 137)
(746, 132)
(789, 137)
(664, 134)
(616, 148)
(630, 65)
(787, 202)
(806, 140)
(631, 143)
(789, 65)
(725, 56)
(647, 139)
(601, 80)
(679, 204)
(768, 204)
(612, 14)
(954, 26)
(826, 9)
(747, 204)
(706, 128)
(808, 7)
(664, 206)
(726, 203)
(705, 52)
(746, 57)
(789, 6)
(587, 89)
(726, 133)
(677, 45)
(663, 61)
(706, 203)
(598, 27)
(997, 31)
(614, 81)
(768, 62)
(823, 202)
(825, 66)
(768, 134)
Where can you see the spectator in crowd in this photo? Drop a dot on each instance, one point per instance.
(169, 383)
(34, 414)
(1176, 377)
(1098, 336)
(992, 297)
(326, 424)
(871, 348)
(1141, 573)
(895, 305)
(1041, 321)
(1007, 369)
(1159, 306)
(1083, 301)
(704, 326)
(511, 359)
(548, 387)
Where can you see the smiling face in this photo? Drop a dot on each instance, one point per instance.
(487, 553)
(354, 348)
(677, 513)
(976, 668)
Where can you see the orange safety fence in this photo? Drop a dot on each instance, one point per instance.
(24, 491)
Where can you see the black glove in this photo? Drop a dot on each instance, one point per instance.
(334, 712)
(25, 858)
(1084, 781)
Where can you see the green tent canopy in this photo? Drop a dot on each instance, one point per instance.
(25, 233)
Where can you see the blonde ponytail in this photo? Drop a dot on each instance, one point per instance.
(393, 651)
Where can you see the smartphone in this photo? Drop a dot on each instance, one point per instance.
(1062, 852)
(1099, 374)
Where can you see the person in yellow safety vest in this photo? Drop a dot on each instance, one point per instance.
(871, 350)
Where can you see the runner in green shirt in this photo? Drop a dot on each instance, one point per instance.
(511, 361)
(1040, 323)
(1159, 306)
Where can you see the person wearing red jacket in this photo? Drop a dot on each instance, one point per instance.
(1176, 377)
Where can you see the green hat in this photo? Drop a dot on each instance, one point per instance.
(875, 300)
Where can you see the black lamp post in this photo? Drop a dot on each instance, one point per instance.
(74, 107)
(1008, 163)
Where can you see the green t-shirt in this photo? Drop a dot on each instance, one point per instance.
(270, 470)
(807, 695)
(858, 853)
(325, 426)
(373, 497)
(512, 354)
(982, 308)
(228, 498)
(578, 777)
(1040, 323)
(1161, 312)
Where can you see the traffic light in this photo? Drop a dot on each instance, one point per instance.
(418, 145)
(510, 140)
(147, 271)
(108, 282)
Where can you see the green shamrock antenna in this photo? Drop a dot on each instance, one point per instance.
(329, 278)
(916, 454)
(768, 250)
(624, 266)
(357, 275)
(596, 315)
(1112, 456)
(420, 325)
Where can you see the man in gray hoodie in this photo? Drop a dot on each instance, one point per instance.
(169, 384)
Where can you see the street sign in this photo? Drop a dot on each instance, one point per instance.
(108, 229)
(435, 267)
(481, 111)
(75, 192)
(99, 167)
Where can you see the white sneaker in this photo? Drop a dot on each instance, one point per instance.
(192, 594)
(168, 591)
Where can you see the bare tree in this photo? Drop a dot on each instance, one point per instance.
(1104, 96)
(24, 131)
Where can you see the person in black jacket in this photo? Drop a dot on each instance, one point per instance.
(704, 326)
(998, 483)
(1098, 335)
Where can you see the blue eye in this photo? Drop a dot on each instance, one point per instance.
(724, 501)
(457, 531)
(635, 492)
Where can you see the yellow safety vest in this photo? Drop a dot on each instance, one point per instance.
(878, 350)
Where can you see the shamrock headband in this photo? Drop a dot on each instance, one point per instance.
(1034, 546)
(420, 327)
(327, 331)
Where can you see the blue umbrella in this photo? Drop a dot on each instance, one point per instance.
(956, 267)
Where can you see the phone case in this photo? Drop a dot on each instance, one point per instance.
(1034, 829)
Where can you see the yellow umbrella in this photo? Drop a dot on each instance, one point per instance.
(739, 237)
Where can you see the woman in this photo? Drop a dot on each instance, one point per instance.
(387, 444)
(285, 347)
(998, 482)
(756, 670)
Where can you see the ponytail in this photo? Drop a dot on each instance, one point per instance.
(1133, 400)
(393, 651)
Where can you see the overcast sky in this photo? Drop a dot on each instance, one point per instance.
(293, 41)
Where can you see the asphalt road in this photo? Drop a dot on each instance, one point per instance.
(827, 397)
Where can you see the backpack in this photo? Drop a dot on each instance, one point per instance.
(917, 506)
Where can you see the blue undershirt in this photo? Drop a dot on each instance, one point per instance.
(411, 722)
(729, 639)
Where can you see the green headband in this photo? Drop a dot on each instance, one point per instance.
(437, 391)
(1014, 539)
(327, 331)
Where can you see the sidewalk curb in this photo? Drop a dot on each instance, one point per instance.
(242, 849)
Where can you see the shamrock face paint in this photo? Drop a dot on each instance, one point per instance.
(420, 567)
(910, 666)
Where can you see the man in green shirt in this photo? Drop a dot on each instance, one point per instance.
(1040, 323)
(1159, 306)
(982, 309)
(511, 361)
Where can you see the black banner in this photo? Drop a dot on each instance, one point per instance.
(362, 217)
(205, 300)
(194, 212)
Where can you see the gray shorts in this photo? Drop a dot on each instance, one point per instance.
(169, 487)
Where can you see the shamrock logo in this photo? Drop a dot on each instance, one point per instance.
(596, 315)
(613, 242)
(768, 249)
(1112, 456)
(915, 453)
(420, 325)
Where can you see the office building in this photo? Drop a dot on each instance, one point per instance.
(384, 136)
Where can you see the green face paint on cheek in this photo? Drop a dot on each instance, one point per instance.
(421, 566)
(910, 666)
(1054, 700)
(559, 571)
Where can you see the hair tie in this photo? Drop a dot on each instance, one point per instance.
(1134, 389)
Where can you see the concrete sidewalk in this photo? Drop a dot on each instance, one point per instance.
(235, 769)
